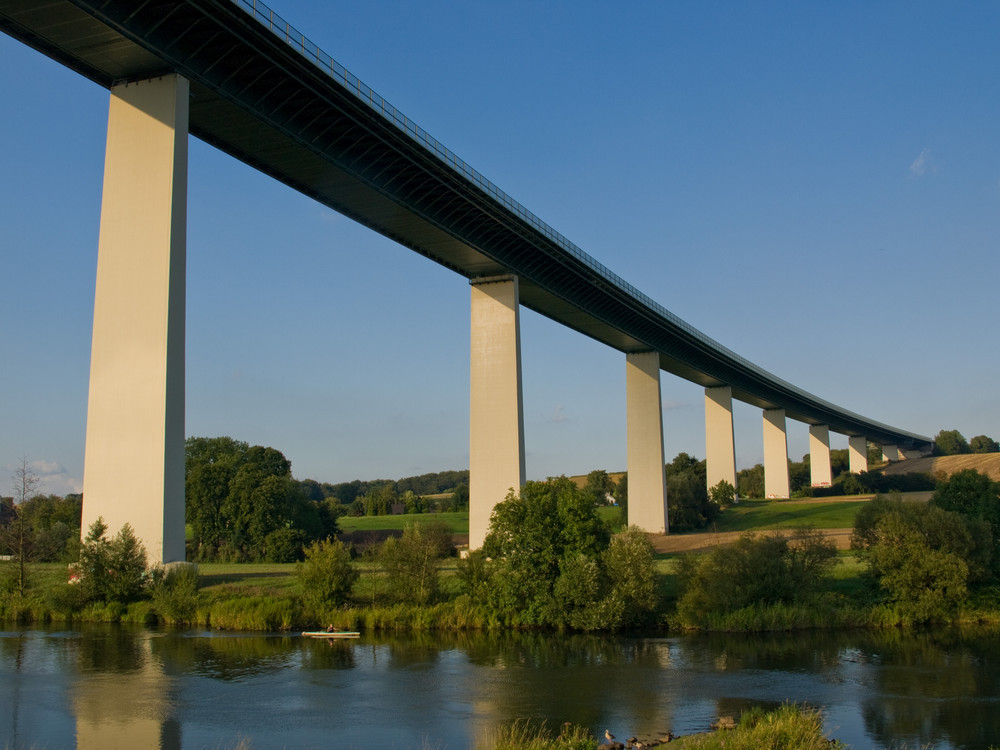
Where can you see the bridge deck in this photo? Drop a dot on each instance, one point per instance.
(263, 93)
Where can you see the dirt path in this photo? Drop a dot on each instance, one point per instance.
(700, 542)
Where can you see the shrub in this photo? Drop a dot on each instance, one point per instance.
(756, 570)
(115, 570)
(920, 556)
(411, 563)
(722, 494)
(326, 575)
(631, 574)
(175, 595)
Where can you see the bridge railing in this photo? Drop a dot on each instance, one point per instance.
(342, 76)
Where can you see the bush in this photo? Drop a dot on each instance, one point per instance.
(756, 570)
(411, 562)
(111, 571)
(326, 575)
(175, 595)
(920, 556)
(722, 494)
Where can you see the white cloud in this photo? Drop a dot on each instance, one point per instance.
(921, 164)
(47, 468)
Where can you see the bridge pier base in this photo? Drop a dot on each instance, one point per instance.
(134, 461)
(496, 413)
(776, 482)
(857, 452)
(647, 483)
(820, 470)
(890, 453)
(720, 443)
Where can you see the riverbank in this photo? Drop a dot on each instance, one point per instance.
(268, 597)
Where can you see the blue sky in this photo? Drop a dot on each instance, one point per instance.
(814, 185)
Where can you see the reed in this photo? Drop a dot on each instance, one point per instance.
(252, 613)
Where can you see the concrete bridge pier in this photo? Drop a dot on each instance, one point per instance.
(857, 452)
(819, 455)
(496, 412)
(720, 443)
(134, 463)
(890, 453)
(647, 481)
(776, 482)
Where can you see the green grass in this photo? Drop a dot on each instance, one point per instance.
(249, 578)
(764, 515)
(457, 522)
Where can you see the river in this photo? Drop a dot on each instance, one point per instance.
(110, 686)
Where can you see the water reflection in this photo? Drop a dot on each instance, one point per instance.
(935, 687)
(115, 686)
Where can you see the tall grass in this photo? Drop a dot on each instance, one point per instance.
(828, 612)
(522, 735)
(251, 613)
(790, 727)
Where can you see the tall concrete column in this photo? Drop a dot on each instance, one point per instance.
(819, 455)
(720, 444)
(647, 481)
(776, 483)
(857, 452)
(496, 415)
(134, 464)
(890, 453)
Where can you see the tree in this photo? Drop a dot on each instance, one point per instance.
(25, 485)
(599, 486)
(874, 454)
(533, 536)
(751, 481)
(111, 570)
(411, 561)
(950, 443)
(984, 444)
(754, 570)
(722, 494)
(688, 506)
(918, 556)
(548, 559)
(976, 497)
(326, 575)
(921, 556)
(631, 575)
(242, 503)
(621, 495)
(460, 496)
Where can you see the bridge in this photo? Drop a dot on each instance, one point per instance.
(236, 75)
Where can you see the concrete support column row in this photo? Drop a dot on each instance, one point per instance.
(496, 412)
(134, 462)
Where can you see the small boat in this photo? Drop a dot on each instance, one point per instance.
(331, 634)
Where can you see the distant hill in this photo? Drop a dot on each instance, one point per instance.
(984, 463)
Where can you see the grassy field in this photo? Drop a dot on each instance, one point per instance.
(749, 515)
(457, 523)
(763, 515)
